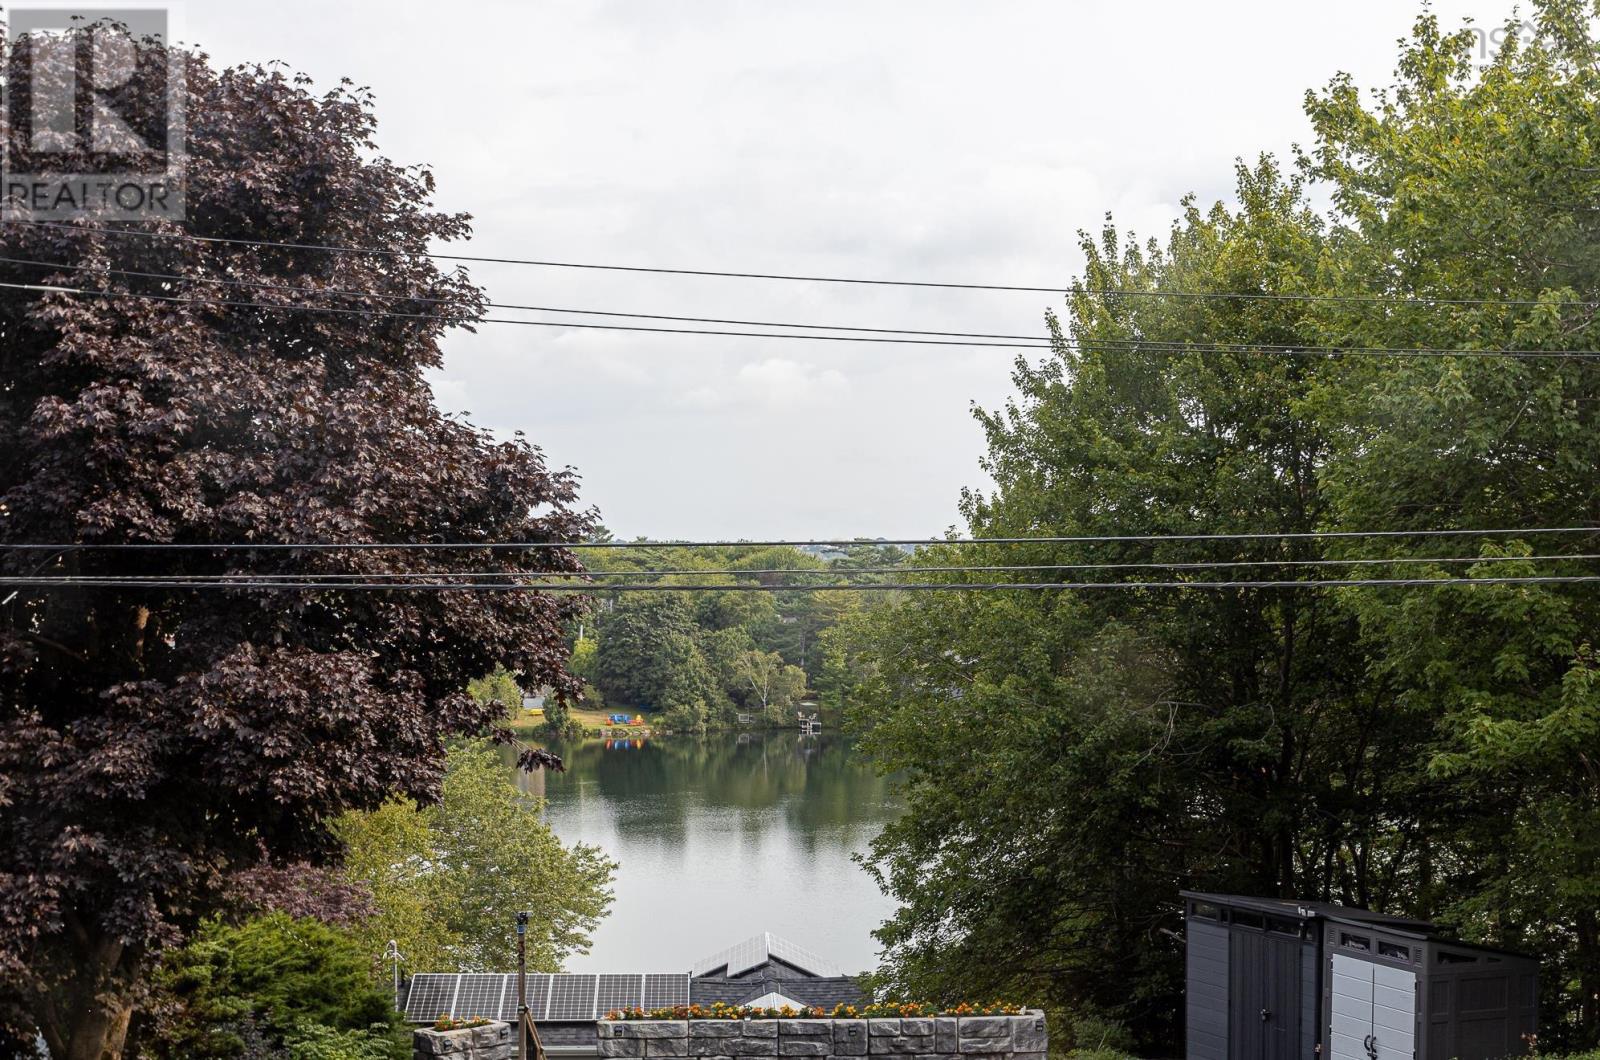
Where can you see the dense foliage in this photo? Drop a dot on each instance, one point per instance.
(296, 985)
(1074, 758)
(704, 658)
(448, 879)
(153, 741)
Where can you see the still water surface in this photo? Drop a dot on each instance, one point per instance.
(722, 837)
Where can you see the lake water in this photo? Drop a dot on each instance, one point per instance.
(722, 837)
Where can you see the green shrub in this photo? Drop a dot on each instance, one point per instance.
(1097, 1038)
(294, 979)
(312, 1041)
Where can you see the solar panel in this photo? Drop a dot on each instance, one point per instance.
(479, 996)
(572, 997)
(429, 997)
(538, 996)
(508, 988)
(618, 991)
(799, 957)
(664, 991)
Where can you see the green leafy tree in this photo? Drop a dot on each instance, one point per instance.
(770, 685)
(693, 697)
(847, 666)
(449, 879)
(393, 853)
(650, 658)
(679, 656)
(644, 641)
(1073, 759)
(715, 611)
(585, 653)
(500, 689)
(1467, 186)
(300, 980)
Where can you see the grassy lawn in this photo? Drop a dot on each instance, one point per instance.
(589, 719)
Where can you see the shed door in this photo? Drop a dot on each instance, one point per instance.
(1374, 1011)
(1264, 997)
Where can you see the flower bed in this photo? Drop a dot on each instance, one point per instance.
(876, 1010)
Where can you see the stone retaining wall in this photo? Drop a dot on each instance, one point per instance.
(936, 1038)
(492, 1041)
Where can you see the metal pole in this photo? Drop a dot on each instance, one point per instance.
(522, 986)
(393, 953)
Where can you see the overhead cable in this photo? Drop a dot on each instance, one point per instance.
(1281, 296)
(833, 543)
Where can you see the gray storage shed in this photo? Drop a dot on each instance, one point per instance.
(1279, 979)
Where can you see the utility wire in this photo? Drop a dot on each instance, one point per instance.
(1080, 539)
(357, 293)
(1149, 345)
(46, 583)
(848, 572)
(1276, 296)
(393, 315)
(354, 293)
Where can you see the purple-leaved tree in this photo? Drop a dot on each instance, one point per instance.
(155, 742)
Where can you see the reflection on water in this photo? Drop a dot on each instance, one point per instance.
(723, 837)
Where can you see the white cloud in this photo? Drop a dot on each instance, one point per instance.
(946, 140)
(775, 383)
(779, 381)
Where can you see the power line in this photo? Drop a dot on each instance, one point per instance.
(1277, 296)
(354, 293)
(391, 314)
(1080, 539)
(1126, 345)
(1188, 565)
(35, 582)
(848, 572)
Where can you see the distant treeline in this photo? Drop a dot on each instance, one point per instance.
(705, 659)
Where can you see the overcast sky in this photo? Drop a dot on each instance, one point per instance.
(902, 139)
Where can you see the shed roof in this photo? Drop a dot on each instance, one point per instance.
(1308, 910)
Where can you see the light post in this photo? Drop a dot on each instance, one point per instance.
(392, 953)
(522, 986)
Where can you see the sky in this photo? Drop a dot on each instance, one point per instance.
(963, 142)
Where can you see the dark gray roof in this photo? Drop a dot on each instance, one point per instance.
(819, 991)
(1307, 910)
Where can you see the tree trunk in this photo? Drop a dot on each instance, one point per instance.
(97, 1032)
(85, 1016)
